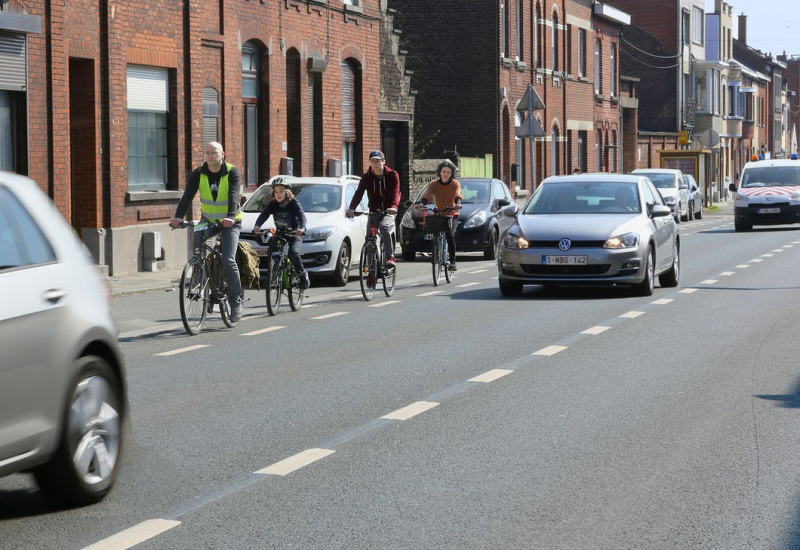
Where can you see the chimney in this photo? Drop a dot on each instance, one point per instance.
(742, 28)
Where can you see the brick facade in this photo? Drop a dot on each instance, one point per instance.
(77, 100)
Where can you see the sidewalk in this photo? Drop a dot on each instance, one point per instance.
(146, 281)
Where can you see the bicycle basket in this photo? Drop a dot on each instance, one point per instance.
(434, 224)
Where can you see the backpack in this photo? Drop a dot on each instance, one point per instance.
(248, 262)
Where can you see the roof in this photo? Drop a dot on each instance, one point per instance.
(594, 177)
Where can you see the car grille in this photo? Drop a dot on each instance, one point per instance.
(575, 244)
(565, 270)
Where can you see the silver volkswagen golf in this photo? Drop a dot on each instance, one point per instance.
(591, 229)
(62, 379)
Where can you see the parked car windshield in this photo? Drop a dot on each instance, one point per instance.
(589, 197)
(474, 191)
(258, 200)
(769, 176)
(315, 197)
(662, 181)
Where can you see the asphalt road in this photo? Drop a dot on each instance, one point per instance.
(456, 418)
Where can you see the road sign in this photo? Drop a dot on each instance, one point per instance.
(530, 100)
(530, 128)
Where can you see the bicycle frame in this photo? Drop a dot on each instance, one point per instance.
(372, 264)
(440, 261)
(282, 274)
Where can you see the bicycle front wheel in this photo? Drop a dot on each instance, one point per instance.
(436, 259)
(388, 280)
(274, 285)
(367, 268)
(193, 296)
(295, 292)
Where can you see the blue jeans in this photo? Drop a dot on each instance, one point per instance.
(230, 240)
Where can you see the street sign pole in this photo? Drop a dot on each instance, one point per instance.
(530, 127)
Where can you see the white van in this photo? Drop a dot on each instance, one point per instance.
(768, 193)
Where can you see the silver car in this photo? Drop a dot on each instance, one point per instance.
(591, 229)
(695, 197)
(62, 379)
(669, 182)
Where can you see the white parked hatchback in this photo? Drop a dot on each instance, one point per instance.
(62, 379)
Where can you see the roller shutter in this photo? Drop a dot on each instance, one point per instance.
(148, 89)
(348, 102)
(13, 73)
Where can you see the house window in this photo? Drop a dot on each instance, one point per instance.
(555, 41)
(148, 136)
(612, 70)
(702, 92)
(598, 151)
(251, 104)
(555, 149)
(503, 29)
(598, 67)
(685, 27)
(582, 52)
(697, 25)
(519, 30)
(538, 41)
(6, 132)
(582, 140)
(351, 117)
(210, 114)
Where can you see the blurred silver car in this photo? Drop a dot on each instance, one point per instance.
(695, 197)
(62, 379)
(591, 229)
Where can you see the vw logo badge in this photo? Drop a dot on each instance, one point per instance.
(564, 244)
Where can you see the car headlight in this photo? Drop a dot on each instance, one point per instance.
(514, 239)
(669, 200)
(476, 220)
(628, 240)
(319, 233)
(795, 197)
(740, 197)
(408, 220)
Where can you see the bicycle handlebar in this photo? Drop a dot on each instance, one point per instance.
(187, 223)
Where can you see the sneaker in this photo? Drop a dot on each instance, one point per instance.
(236, 310)
(391, 262)
(304, 281)
(453, 266)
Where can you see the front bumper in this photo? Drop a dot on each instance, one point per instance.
(767, 213)
(474, 239)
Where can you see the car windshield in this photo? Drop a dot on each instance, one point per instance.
(317, 197)
(662, 181)
(475, 191)
(313, 197)
(770, 176)
(585, 197)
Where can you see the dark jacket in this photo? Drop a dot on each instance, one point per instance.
(382, 192)
(291, 215)
(193, 185)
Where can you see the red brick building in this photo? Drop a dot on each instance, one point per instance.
(471, 78)
(121, 97)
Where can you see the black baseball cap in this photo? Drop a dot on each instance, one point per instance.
(377, 155)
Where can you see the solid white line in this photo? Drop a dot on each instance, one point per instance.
(293, 463)
(725, 274)
(595, 330)
(632, 314)
(329, 315)
(662, 301)
(410, 411)
(182, 350)
(549, 350)
(261, 331)
(688, 291)
(431, 293)
(381, 304)
(490, 376)
(134, 535)
(467, 284)
(709, 282)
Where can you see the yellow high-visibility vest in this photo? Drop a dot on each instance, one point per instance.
(211, 209)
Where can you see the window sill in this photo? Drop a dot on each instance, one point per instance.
(353, 8)
(137, 196)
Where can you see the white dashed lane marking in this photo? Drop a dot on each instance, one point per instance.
(595, 330)
(549, 350)
(330, 315)
(431, 293)
(410, 411)
(725, 274)
(467, 284)
(662, 301)
(293, 463)
(742, 266)
(134, 535)
(688, 291)
(491, 376)
(262, 331)
(756, 260)
(632, 314)
(181, 350)
(709, 282)
(381, 304)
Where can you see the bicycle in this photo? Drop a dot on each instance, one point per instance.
(434, 228)
(281, 274)
(203, 284)
(371, 265)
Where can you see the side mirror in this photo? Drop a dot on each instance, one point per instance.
(683, 186)
(659, 211)
(503, 202)
(408, 204)
(510, 210)
(732, 188)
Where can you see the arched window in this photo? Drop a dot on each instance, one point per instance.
(555, 40)
(598, 67)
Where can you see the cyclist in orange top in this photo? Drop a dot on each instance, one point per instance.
(445, 191)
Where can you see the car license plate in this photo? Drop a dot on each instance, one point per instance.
(769, 210)
(427, 236)
(262, 251)
(565, 260)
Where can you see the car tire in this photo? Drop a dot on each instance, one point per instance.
(510, 288)
(677, 217)
(86, 462)
(672, 276)
(342, 272)
(491, 251)
(738, 226)
(647, 286)
(408, 255)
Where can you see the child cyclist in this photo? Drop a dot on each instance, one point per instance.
(445, 191)
(287, 210)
